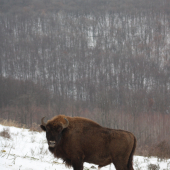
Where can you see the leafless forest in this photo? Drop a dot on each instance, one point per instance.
(107, 60)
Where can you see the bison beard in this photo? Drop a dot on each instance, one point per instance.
(77, 140)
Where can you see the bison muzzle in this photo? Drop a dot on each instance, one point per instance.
(77, 140)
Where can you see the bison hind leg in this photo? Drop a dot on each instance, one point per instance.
(120, 166)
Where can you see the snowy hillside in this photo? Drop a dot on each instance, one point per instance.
(21, 149)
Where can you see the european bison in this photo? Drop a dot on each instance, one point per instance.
(77, 140)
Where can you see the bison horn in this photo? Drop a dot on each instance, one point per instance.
(42, 122)
(65, 125)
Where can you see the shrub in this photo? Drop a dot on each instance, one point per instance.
(153, 167)
(161, 150)
(5, 133)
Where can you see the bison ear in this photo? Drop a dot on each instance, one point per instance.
(43, 127)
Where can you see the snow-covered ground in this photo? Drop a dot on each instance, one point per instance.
(28, 150)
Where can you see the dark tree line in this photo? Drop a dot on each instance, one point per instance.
(110, 63)
(112, 58)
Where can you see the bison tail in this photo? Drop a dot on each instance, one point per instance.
(130, 162)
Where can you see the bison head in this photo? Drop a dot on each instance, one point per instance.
(54, 130)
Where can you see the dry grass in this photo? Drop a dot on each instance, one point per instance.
(161, 150)
(142, 150)
(35, 127)
(11, 123)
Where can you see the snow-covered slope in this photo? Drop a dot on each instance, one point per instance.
(27, 150)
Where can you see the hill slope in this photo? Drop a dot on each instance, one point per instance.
(21, 149)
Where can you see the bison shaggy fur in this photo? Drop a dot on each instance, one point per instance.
(77, 140)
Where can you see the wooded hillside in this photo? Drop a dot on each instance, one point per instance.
(107, 60)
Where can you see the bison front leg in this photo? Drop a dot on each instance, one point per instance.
(78, 165)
